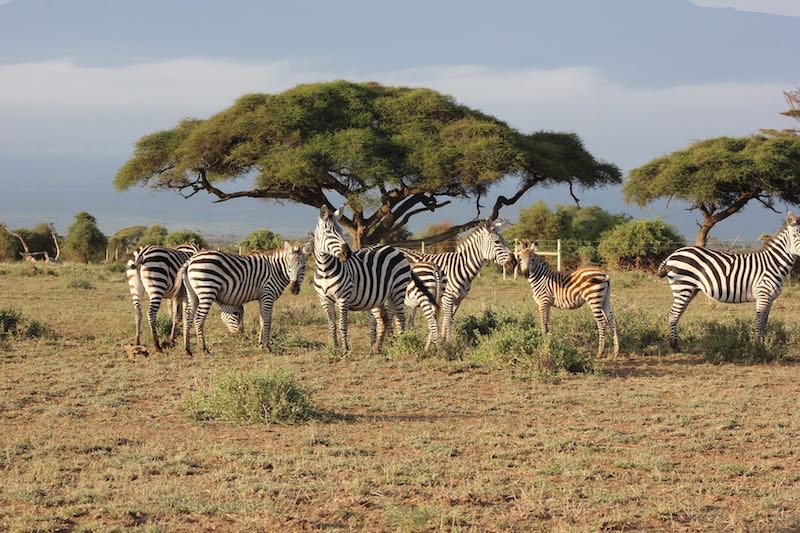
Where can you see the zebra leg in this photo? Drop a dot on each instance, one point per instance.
(544, 315)
(187, 321)
(137, 317)
(611, 322)
(330, 312)
(681, 298)
(429, 310)
(344, 312)
(410, 317)
(203, 307)
(381, 319)
(448, 310)
(600, 319)
(763, 306)
(152, 315)
(177, 313)
(267, 302)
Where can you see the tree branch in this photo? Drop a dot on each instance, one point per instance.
(524, 187)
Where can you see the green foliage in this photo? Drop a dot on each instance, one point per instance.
(639, 244)
(376, 145)
(265, 397)
(720, 175)
(153, 235)
(85, 242)
(185, 236)
(9, 320)
(124, 240)
(408, 343)
(736, 342)
(471, 328)
(262, 239)
(10, 247)
(39, 239)
(78, 281)
(115, 268)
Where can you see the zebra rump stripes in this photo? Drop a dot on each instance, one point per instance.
(569, 291)
(732, 278)
(234, 280)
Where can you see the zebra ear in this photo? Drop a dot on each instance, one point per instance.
(338, 213)
(324, 212)
(307, 248)
(791, 219)
(535, 245)
(287, 246)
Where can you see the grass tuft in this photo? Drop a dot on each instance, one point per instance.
(735, 342)
(254, 397)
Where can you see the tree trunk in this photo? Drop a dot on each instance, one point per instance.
(702, 235)
(58, 249)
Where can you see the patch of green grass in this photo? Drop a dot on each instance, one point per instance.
(78, 281)
(9, 321)
(265, 397)
(735, 342)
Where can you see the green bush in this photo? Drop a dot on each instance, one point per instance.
(639, 244)
(471, 328)
(85, 242)
(736, 342)
(262, 239)
(35, 329)
(265, 397)
(9, 321)
(115, 268)
(78, 281)
(409, 343)
(185, 236)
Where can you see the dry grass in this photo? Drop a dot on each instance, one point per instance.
(93, 440)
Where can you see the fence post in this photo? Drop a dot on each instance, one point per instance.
(516, 268)
(422, 246)
(558, 250)
(504, 272)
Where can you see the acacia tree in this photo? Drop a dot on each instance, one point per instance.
(389, 152)
(719, 176)
(85, 242)
(793, 99)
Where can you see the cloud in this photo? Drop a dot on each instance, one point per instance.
(789, 8)
(63, 107)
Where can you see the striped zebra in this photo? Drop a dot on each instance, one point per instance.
(434, 280)
(234, 280)
(569, 291)
(373, 279)
(152, 271)
(462, 266)
(732, 278)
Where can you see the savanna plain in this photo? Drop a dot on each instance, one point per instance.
(479, 436)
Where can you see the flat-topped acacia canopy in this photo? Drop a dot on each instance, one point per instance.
(392, 152)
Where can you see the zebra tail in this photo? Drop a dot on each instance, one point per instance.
(188, 292)
(662, 268)
(423, 289)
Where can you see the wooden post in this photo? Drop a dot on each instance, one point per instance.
(422, 246)
(516, 268)
(558, 251)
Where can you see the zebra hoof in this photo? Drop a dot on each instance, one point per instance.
(673, 344)
(188, 353)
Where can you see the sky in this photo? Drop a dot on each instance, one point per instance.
(81, 81)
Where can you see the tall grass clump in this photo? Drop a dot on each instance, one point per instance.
(735, 342)
(254, 397)
(409, 343)
(12, 323)
(9, 321)
(78, 281)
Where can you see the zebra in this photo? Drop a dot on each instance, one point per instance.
(430, 276)
(234, 280)
(153, 270)
(462, 266)
(373, 279)
(732, 278)
(569, 291)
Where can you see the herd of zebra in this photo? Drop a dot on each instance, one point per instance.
(385, 279)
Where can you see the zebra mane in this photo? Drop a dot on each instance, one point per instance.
(772, 239)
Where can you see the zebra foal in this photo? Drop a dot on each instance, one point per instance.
(569, 291)
(234, 280)
(732, 278)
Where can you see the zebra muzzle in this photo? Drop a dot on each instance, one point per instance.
(295, 287)
(344, 255)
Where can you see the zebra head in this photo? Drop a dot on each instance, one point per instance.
(493, 246)
(793, 229)
(233, 317)
(295, 258)
(528, 259)
(328, 238)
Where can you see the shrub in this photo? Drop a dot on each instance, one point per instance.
(115, 268)
(35, 329)
(736, 342)
(639, 244)
(185, 236)
(9, 321)
(77, 281)
(472, 328)
(408, 343)
(154, 235)
(164, 325)
(262, 239)
(85, 242)
(265, 397)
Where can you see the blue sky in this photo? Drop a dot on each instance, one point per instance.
(80, 81)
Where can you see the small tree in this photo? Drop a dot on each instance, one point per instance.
(124, 240)
(437, 229)
(262, 239)
(720, 176)
(153, 235)
(639, 244)
(185, 236)
(584, 224)
(85, 242)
